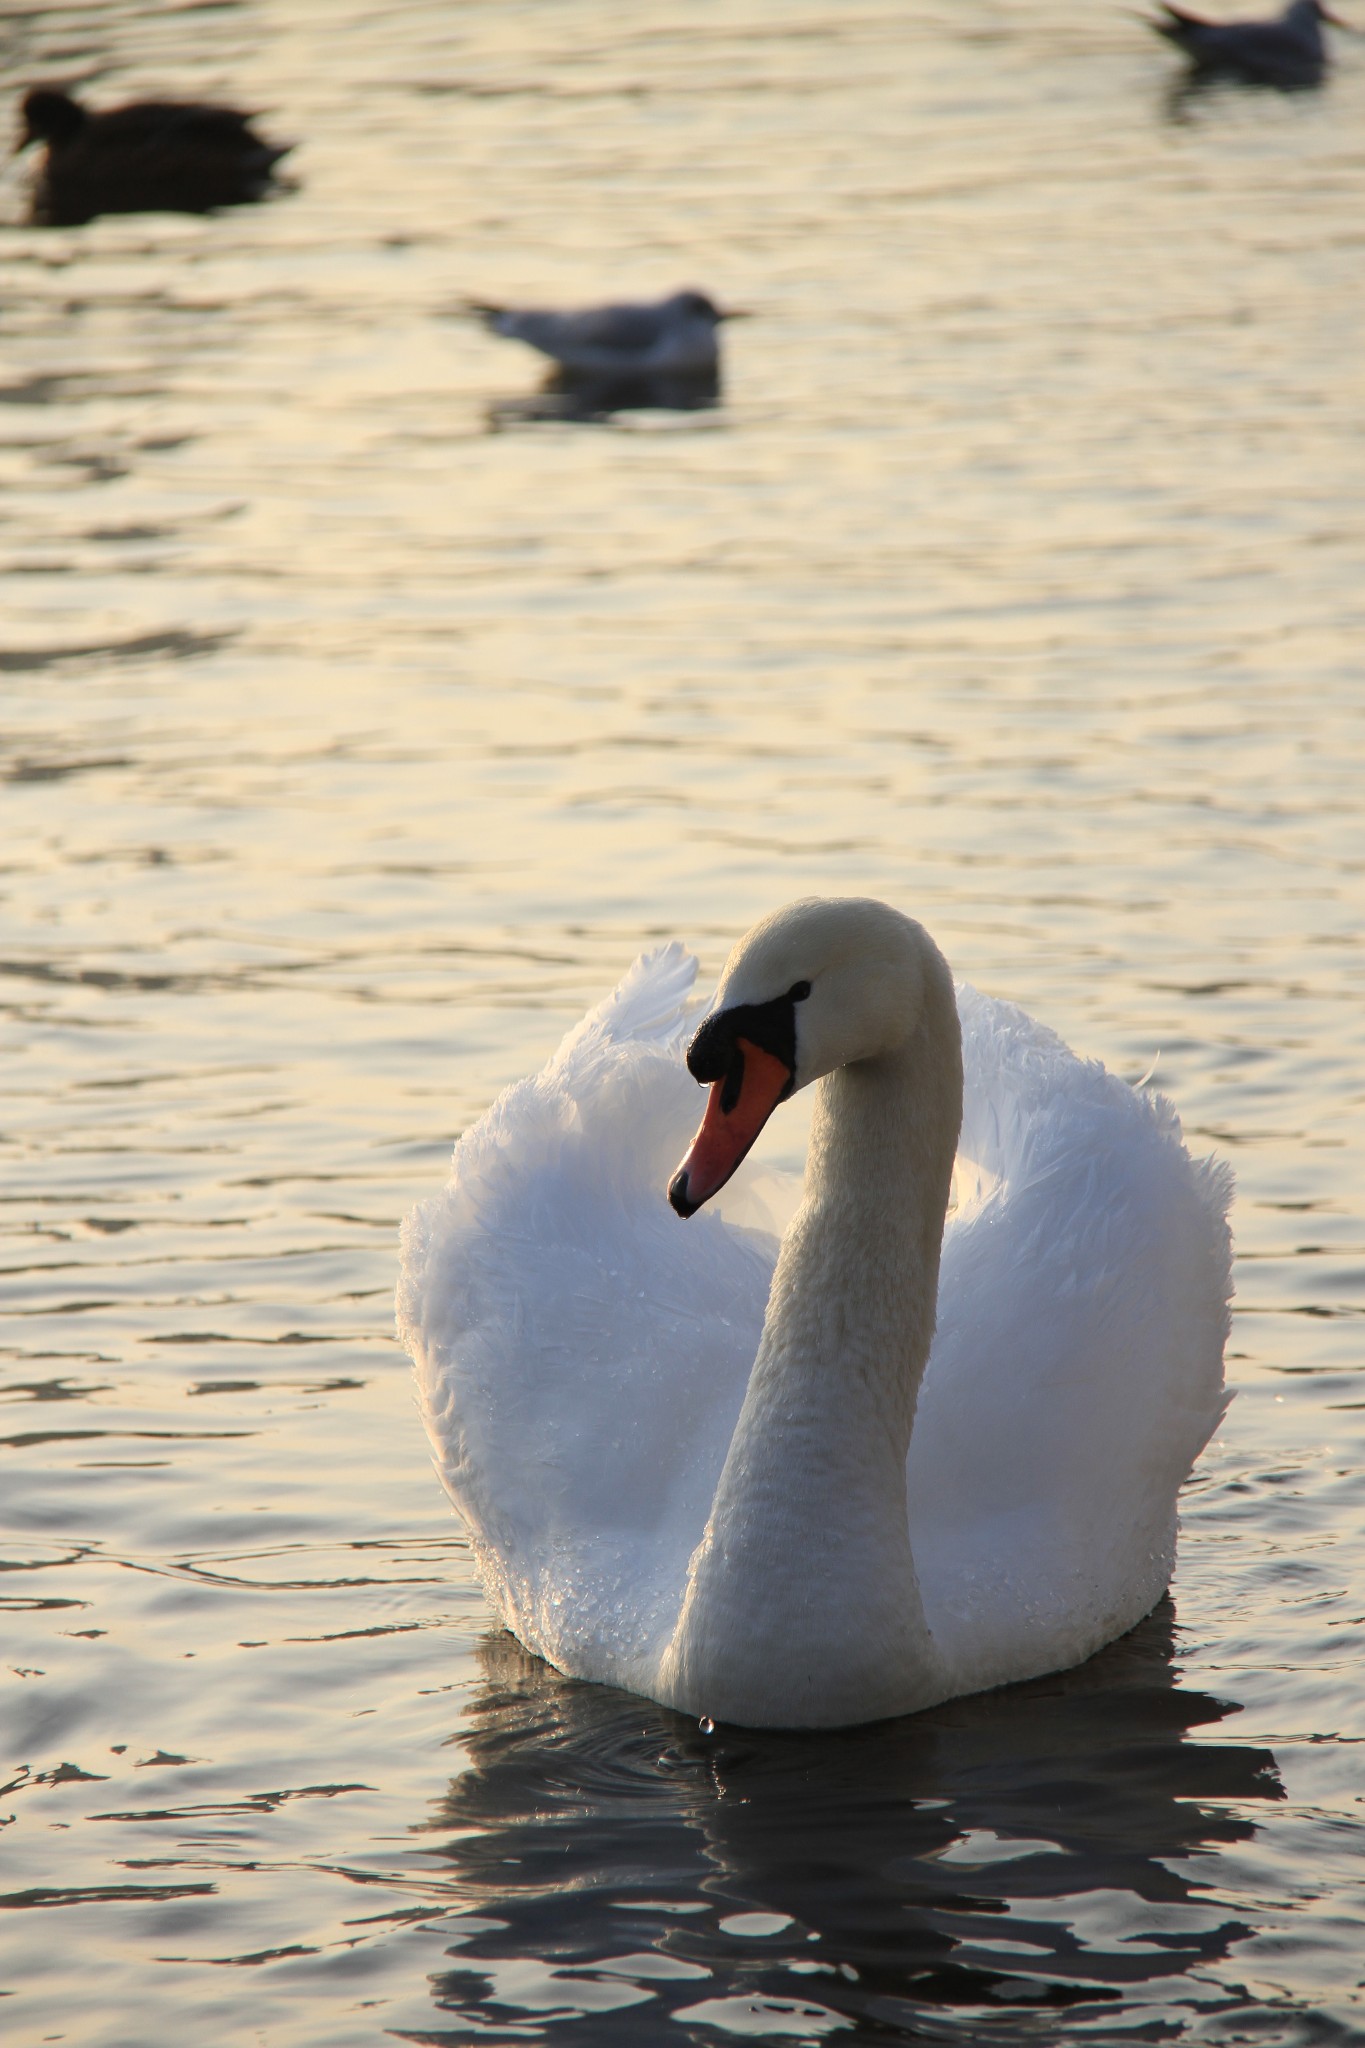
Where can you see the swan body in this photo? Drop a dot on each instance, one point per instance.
(880, 1465)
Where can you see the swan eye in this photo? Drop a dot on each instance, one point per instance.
(798, 992)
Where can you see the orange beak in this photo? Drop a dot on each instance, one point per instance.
(726, 1134)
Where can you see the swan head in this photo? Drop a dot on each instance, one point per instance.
(818, 985)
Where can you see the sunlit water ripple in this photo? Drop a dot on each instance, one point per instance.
(356, 732)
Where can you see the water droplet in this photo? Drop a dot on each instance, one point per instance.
(707, 1725)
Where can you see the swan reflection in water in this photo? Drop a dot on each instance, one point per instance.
(1017, 1851)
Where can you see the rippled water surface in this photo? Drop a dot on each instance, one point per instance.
(356, 729)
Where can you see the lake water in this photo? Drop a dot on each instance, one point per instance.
(356, 731)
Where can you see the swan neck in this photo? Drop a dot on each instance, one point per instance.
(802, 1601)
(864, 1249)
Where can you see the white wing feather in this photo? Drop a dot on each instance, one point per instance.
(581, 1355)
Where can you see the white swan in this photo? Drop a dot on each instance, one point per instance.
(692, 1475)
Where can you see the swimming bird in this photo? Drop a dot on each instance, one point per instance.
(881, 1464)
(658, 339)
(1288, 51)
(152, 156)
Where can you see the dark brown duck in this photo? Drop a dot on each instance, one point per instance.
(153, 156)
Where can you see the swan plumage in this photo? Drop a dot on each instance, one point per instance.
(591, 1371)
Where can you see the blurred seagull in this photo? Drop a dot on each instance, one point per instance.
(642, 342)
(153, 156)
(1287, 51)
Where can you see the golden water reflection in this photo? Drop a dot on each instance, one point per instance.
(348, 750)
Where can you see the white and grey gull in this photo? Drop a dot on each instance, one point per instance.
(1288, 50)
(646, 339)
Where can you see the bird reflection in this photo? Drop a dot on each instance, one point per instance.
(912, 1869)
(585, 400)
